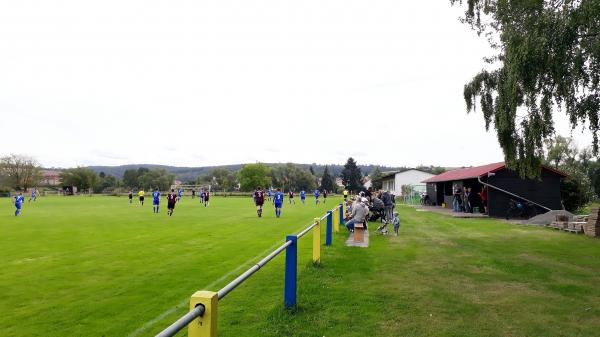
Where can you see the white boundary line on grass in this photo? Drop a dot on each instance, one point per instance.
(185, 302)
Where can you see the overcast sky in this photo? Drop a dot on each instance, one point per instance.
(195, 83)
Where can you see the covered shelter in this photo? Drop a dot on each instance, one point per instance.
(503, 185)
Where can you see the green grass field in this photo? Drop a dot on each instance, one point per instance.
(81, 266)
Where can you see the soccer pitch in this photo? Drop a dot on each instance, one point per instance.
(83, 266)
(97, 266)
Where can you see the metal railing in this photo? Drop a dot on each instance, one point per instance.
(200, 309)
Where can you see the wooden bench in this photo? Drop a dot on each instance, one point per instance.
(359, 232)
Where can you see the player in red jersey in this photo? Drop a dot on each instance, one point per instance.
(171, 200)
(259, 200)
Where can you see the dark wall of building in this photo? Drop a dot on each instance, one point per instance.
(432, 193)
(545, 191)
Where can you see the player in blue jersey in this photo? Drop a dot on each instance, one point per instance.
(202, 195)
(317, 196)
(303, 196)
(278, 202)
(156, 200)
(19, 200)
(269, 192)
(33, 195)
(179, 194)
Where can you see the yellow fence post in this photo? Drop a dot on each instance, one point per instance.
(205, 326)
(317, 241)
(336, 220)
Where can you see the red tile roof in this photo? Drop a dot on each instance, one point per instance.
(474, 172)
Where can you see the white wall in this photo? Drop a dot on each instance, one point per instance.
(410, 177)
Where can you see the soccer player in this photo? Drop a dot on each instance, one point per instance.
(291, 194)
(193, 193)
(317, 196)
(345, 195)
(141, 195)
(278, 202)
(156, 200)
(259, 200)
(303, 196)
(206, 197)
(130, 196)
(171, 200)
(202, 195)
(179, 194)
(269, 194)
(19, 200)
(33, 195)
(324, 196)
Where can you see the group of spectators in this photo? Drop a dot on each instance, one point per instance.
(466, 200)
(370, 205)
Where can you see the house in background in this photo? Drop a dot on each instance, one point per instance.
(503, 185)
(393, 181)
(50, 178)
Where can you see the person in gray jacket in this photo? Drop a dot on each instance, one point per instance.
(388, 204)
(359, 214)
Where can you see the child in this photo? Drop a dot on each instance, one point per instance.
(396, 223)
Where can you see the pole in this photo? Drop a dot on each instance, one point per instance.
(291, 271)
(329, 228)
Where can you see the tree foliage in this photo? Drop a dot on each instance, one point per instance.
(351, 176)
(375, 176)
(327, 181)
(19, 172)
(81, 177)
(222, 179)
(548, 57)
(154, 178)
(292, 177)
(254, 175)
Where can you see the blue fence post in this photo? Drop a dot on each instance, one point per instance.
(291, 270)
(341, 214)
(329, 228)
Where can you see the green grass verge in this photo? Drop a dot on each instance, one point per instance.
(80, 266)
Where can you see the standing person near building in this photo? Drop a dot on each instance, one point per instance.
(141, 196)
(317, 196)
(171, 201)
(278, 202)
(19, 200)
(259, 200)
(155, 200)
(484, 196)
(303, 196)
(388, 206)
(291, 197)
(471, 199)
(465, 200)
(456, 200)
(130, 196)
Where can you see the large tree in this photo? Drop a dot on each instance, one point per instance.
(20, 172)
(254, 175)
(154, 178)
(547, 58)
(375, 176)
(222, 179)
(327, 181)
(81, 177)
(351, 176)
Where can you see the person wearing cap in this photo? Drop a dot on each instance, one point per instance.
(359, 213)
